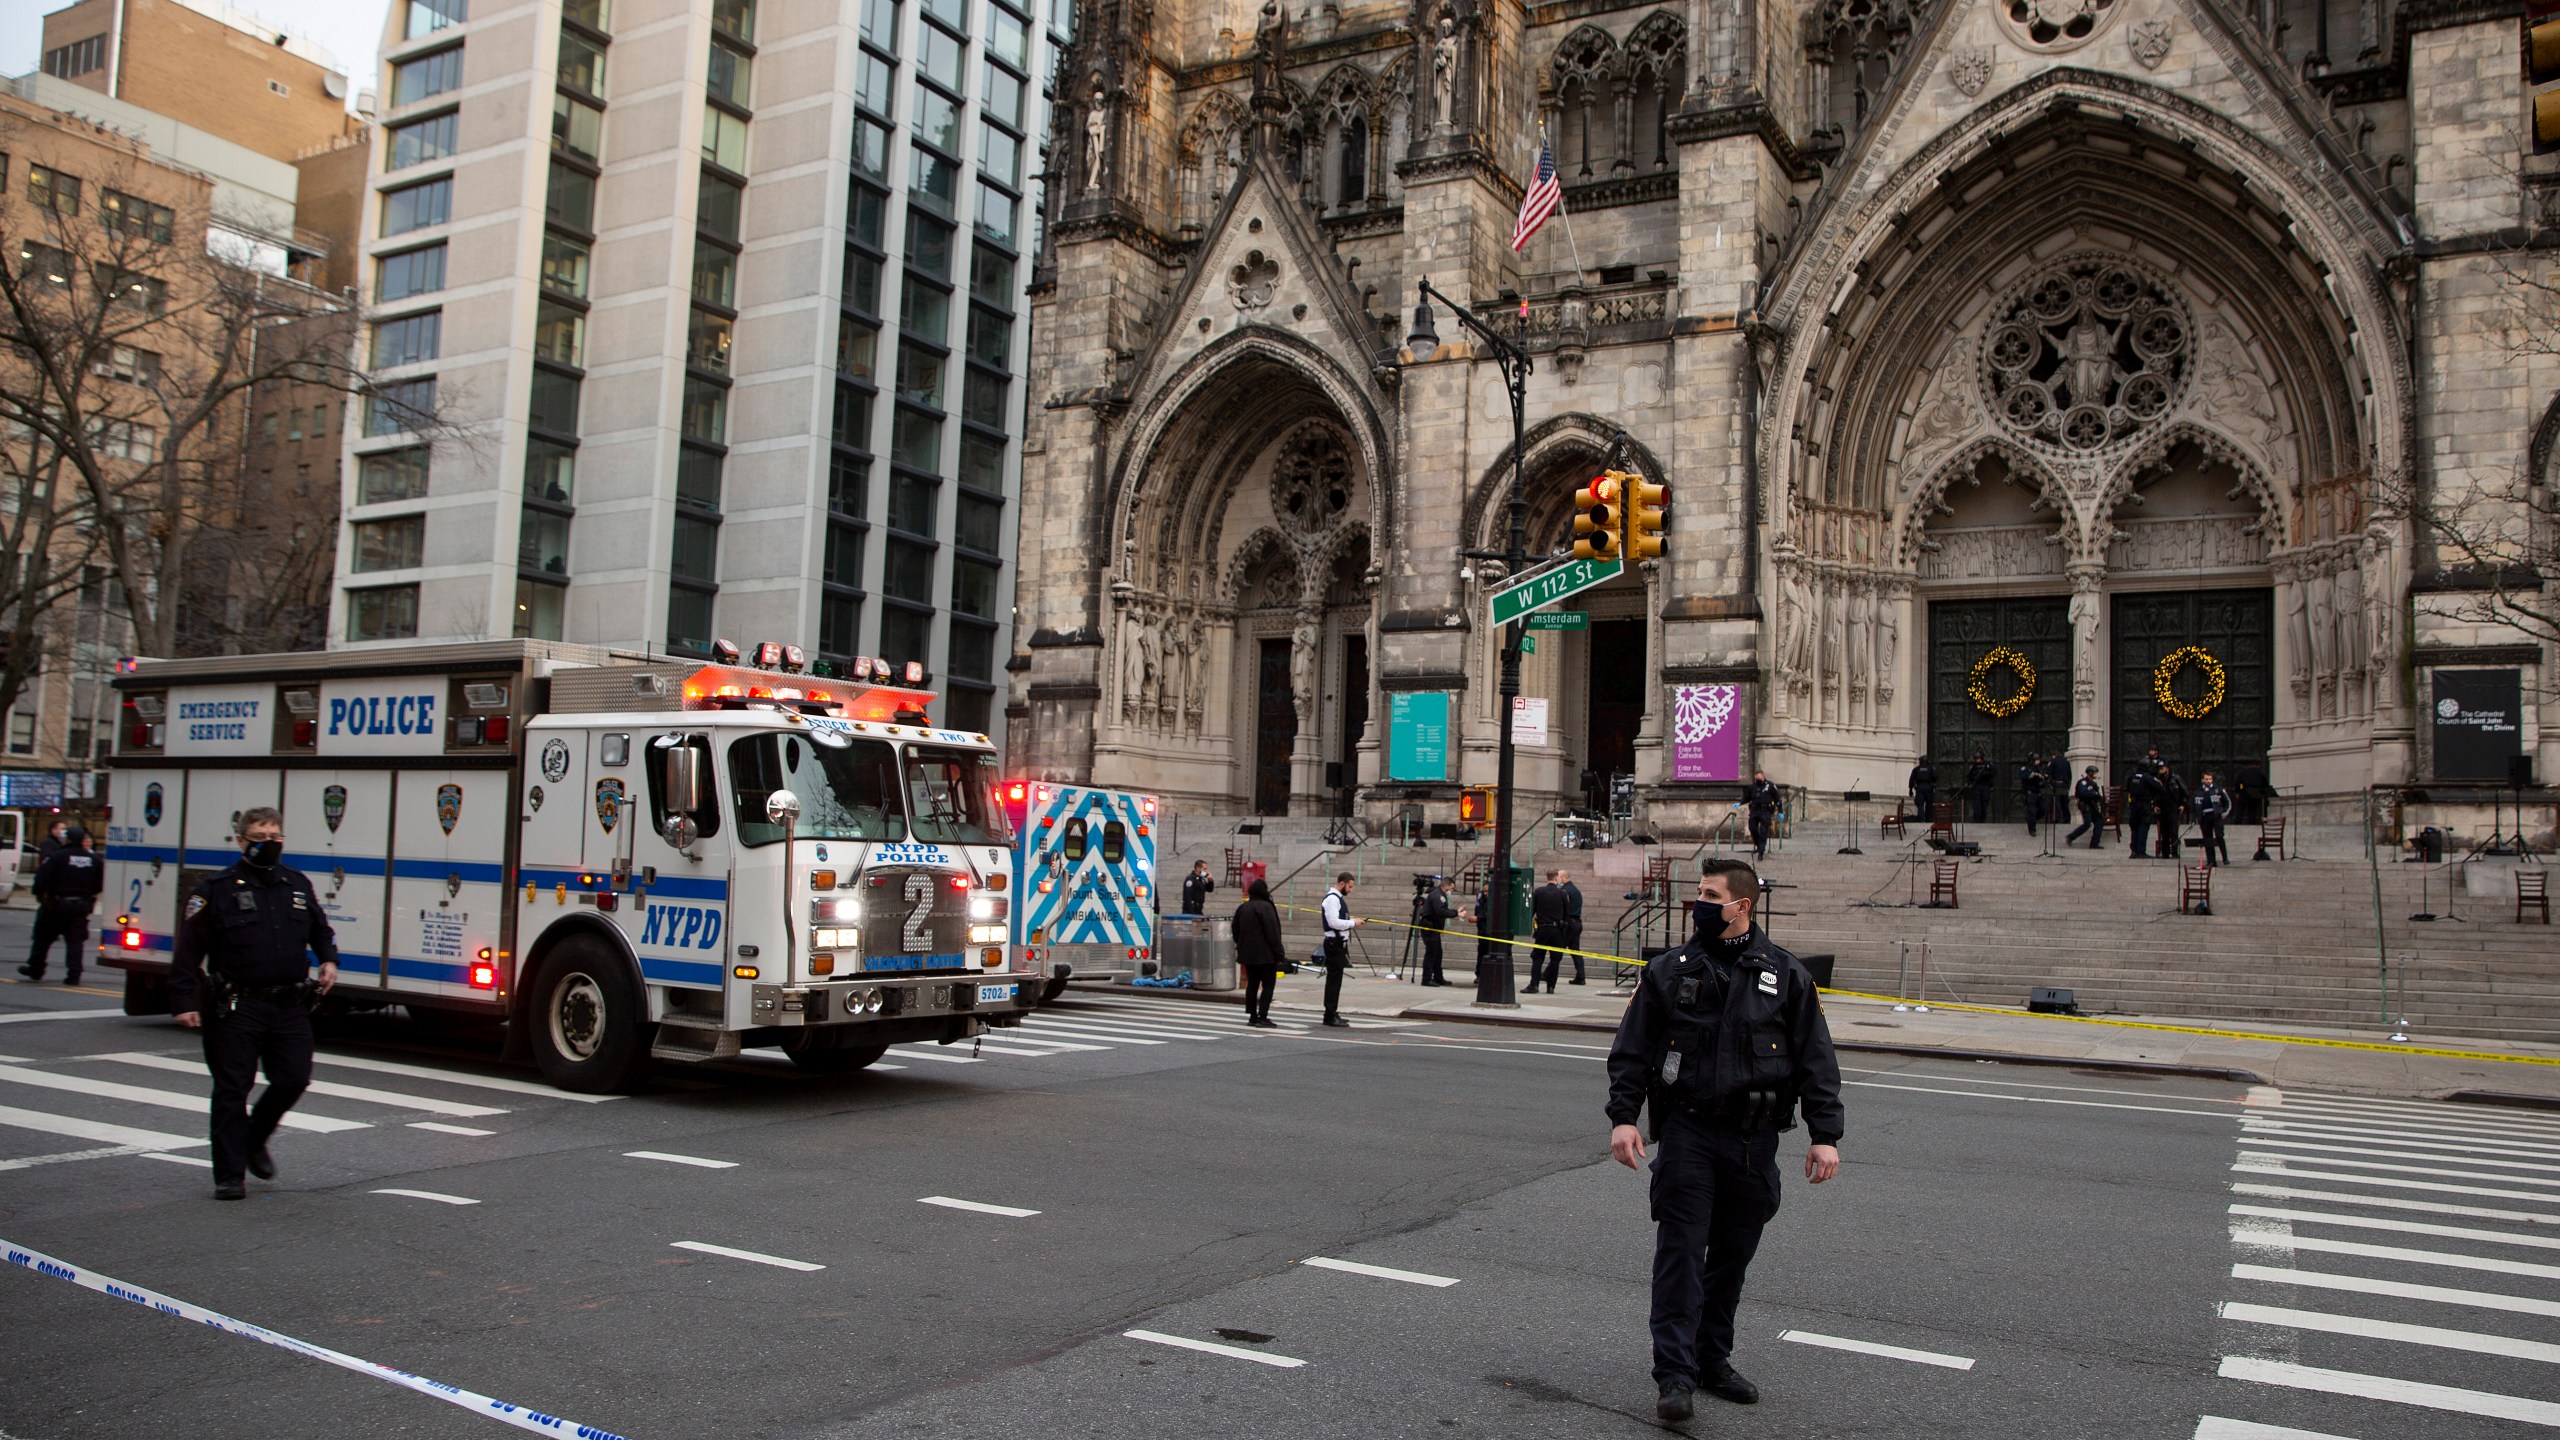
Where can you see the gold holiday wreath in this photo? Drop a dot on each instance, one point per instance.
(2167, 671)
(2001, 708)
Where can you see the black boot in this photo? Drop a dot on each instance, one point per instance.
(1675, 1404)
(1721, 1381)
(261, 1164)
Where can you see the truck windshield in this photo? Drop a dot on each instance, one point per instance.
(846, 793)
(952, 796)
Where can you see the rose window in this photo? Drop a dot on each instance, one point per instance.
(2086, 355)
(2057, 24)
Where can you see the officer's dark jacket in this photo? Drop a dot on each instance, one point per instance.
(2142, 788)
(1763, 797)
(2212, 801)
(1547, 907)
(2031, 777)
(253, 925)
(1573, 905)
(1195, 893)
(1924, 776)
(71, 874)
(2088, 793)
(1434, 908)
(1769, 1035)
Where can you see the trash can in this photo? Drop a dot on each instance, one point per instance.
(1248, 871)
(1205, 945)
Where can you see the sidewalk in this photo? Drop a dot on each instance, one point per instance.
(2012, 1035)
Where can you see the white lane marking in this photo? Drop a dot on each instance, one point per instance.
(883, 1065)
(1143, 1025)
(1037, 1026)
(437, 1196)
(441, 1128)
(366, 1093)
(1232, 1352)
(2397, 1289)
(2469, 1120)
(2251, 1232)
(773, 1260)
(2357, 1325)
(2214, 1427)
(2405, 1227)
(2263, 1167)
(2038, 1099)
(143, 1095)
(1354, 1267)
(1050, 1044)
(201, 1162)
(2393, 1202)
(990, 1047)
(2250, 1151)
(2422, 1139)
(918, 1052)
(2256, 1139)
(2385, 1387)
(61, 1015)
(981, 1207)
(97, 1130)
(671, 1159)
(2433, 1109)
(1869, 1347)
(457, 1077)
(29, 1162)
(2237, 1106)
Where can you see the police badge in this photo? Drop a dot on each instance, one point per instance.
(609, 802)
(333, 806)
(448, 806)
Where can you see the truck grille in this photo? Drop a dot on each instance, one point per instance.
(892, 926)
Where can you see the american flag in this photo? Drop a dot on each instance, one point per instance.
(1545, 197)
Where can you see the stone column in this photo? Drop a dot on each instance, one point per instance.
(2089, 669)
(1307, 795)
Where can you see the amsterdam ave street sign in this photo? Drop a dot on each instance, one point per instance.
(1544, 589)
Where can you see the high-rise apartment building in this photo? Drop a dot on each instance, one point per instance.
(731, 346)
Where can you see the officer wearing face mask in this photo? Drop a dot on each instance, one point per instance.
(1723, 1039)
(243, 977)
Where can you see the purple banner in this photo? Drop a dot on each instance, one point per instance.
(1706, 732)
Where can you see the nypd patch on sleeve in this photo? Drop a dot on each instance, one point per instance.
(195, 906)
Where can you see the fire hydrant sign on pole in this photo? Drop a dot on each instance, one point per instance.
(1546, 588)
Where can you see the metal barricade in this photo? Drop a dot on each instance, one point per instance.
(1205, 945)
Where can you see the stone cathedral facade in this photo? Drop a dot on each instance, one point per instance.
(2082, 331)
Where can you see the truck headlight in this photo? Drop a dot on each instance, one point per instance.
(986, 907)
(831, 938)
(835, 912)
(987, 934)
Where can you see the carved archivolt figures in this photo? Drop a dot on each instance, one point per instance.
(1837, 641)
(2336, 601)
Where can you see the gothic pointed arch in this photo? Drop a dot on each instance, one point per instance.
(1548, 444)
(1585, 75)
(1928, 497)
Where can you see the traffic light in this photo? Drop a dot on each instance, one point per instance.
(1643, 507)
(1475, 806)
(1596, 520)
(2543, 34)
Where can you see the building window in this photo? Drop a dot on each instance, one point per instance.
(707, 342)
(560, 333)
(124, 362)
(542, 542)
(724, 140)
(550, 471)
(875, 83)
(407, 340)
(596, 15)
(991, 277)
(77, 58)
(45, 264)
(1001, 94)
(411, 272)
(392, 544)
(564, 266)
(934, 180)
(698, 479)
(715, 276)
(999, 156)
(706, 412)
(384, 612)
(990, 338)
(577, 128)
(391, 475)
(917, 441)
(871, 147)
(920, 376)
(540, 609)
(689, 620)
(49, 189)
(400, 405)
(426, 17)
(848, 485)
(967, 707)
(124, 440)
(732, 70)
(554, 404)
(973, 592)
(416, 207)
(928, 247)
(420, 141)
(717, 208)
(973, 649)
(937, 119)
(853, 417)
(426, 76)
(134, 216)
(844, 556)
(939, 57)
(924, 312)
(697, 549)
(979, 524)
(839, 624)
(914, 501)
(571, 200)
(133, 292)
(861, 282)
(857, 348)
(906, 572)
(906, 635)
(581, 64)
(996, 212)
(735, 19)
(982, 398)
(22, 733)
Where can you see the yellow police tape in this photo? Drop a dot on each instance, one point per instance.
(2378, 1046)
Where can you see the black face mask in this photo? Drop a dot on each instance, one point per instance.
(1710, 917)
(263, 853)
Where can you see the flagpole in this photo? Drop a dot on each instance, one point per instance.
(1562, 213)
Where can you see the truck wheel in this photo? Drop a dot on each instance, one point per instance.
(1056, 987)
(589, 1028)
(831, 1052)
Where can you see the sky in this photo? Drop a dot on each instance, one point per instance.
(349, 29)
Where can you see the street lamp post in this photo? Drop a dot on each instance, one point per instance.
(1493, 975)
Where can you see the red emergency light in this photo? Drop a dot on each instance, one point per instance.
(131, 940)
(731, 687)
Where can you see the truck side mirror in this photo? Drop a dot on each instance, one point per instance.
(684, 779)
(782, 808)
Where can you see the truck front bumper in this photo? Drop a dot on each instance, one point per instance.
(998, 997)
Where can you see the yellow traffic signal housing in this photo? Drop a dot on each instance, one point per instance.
(1475, 806)
(1596, 520)
(2543, 64)
(1643, 507)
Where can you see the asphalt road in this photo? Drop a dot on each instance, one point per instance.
(2054, 1253)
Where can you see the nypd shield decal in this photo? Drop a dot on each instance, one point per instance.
(609, 802)
(448, 806)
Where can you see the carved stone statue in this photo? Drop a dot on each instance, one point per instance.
(1303, 654)
(1270, 46)
(1862, 632)
(2380, 596)
(1444, 75)
(1888, 642)
(1196, 690)
(2090, 360)
(2297, 631)
(1150, 668)
(1137, 642)
(1795, 623)
(2084, 639)
(2324, 636)
(1177, 669)
(1833, 622)
(1097, 139)
(2350, 605)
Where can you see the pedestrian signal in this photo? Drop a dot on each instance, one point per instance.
(1596, 520)
(1644, 504)
(1475, 806)
(2542, 35)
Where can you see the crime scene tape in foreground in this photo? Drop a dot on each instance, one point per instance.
(500, 1410)
(2380, 1047)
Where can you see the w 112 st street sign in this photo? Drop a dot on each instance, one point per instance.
(1547, 587)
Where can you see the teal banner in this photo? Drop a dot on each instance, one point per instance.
(1418, 735)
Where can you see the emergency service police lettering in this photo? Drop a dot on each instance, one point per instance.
(381, 717)
(221, 720)
(681, 927)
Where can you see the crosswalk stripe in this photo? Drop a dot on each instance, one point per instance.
(202, 1162)
(1048, 1046)
(2406, 1227)
(921, 1052)
(29, 1162)
(2466, 1340)
(2398, 1289)
(393, 1098)
(463, 1078)
(2384, 1387)
(1052, 1027)
(2392, 1202)
(142, 1095)
(2423, 1139)
(96, 1130)
(2553, 1193)
(59, 1015)
(1129, 1026)
(2317, 1147)
(1020, 1053)
(2215, 1427)
(2252, 1233)
(2263, 1168)
(2464, 1121)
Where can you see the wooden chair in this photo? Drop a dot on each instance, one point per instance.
(1942, 821)
(2270, 832)
(2195, 890)
(1893, 825)
(2115, 813)
(2533, 889)
(1942, 884)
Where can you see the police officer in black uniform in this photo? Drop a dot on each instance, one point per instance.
(2093, 810)
(1764, 800)
(67, 886)
(1977, 784)
(1924, 789)
(1724, 1038)
(2142, 796)
(2212, 806)
(1195, 889)
(242, 975)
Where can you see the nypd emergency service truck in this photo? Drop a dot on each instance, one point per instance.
(623, 857)
(1088, 868)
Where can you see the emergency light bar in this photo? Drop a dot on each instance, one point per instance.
(736, 687)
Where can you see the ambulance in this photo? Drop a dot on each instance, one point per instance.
(1087, 863)
(621, 857)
